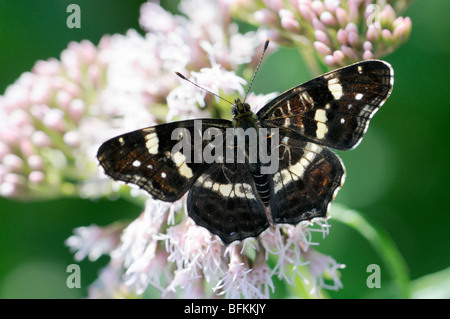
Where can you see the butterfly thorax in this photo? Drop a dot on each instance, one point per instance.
(243, 116)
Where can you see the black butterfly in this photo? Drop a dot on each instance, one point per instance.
(236, 200)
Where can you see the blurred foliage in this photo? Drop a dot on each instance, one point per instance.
(397, 178)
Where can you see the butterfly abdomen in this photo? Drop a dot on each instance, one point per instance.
(262, 186)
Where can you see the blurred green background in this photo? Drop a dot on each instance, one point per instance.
(398, 177)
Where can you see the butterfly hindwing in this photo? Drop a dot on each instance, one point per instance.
(224, 200)
(149, 159)
(308, 179)
(333, 109)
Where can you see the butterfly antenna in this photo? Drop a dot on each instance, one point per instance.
(195, 84)
(266, 45)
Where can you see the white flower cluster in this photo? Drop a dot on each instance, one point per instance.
(183, 259)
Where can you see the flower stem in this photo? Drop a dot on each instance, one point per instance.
(381, 242)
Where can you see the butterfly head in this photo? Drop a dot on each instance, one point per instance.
(240, 108)
(243, 117)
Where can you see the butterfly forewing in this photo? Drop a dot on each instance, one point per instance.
(333, 109)
(148, 158)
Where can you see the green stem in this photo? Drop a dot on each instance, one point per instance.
(381, 242)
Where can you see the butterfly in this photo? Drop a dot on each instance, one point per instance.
(236, 199)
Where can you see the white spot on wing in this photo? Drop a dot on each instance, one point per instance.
(320, 115)
(180, 161)
(136, 163)
(335, 88)
(178, 158)
(321, 118)
(359, 96)
(152, 143)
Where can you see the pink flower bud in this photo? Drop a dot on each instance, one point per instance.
(54, 119)
(36, 177)
(367, 45)
(47, 68)
(76, 109)
(318, 25)
(351, 27)
(87, 51)
(372, 33)
(322, 37)
(35, 162)
(403, 29)
(38, 111)
(288, 21)
(329, 60)
(386, 35)
(342, 17)
(317, 7)
(353, 9)
(72, 139)
(339, 57)
(353, 38)
(367, 55)
(331, 5)
(306, 12)
(274, 5)
(40, 91)
(40, 139)
(63, 99)
(387, 15)
(13, 162)
(342, 36)
(8, 189)
(19, 118)
(154, 18)
(327, 18)
(26, 147)
(322, 48)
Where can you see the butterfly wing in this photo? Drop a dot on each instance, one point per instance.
(307, 181)
(150, 158)
(333, 109)
(224, 200)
